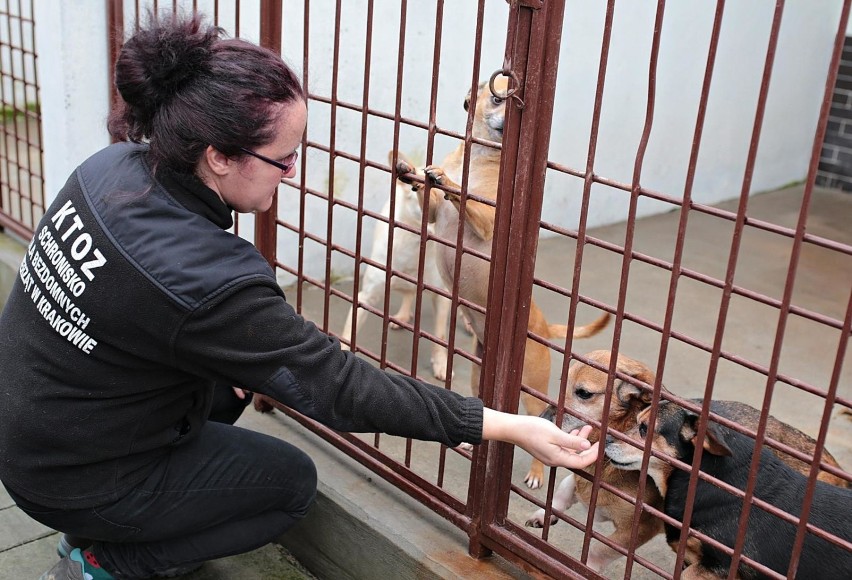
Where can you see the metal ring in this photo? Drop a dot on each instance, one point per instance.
(511, 92)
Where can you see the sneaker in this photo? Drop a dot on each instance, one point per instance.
(67, 542)
(77, 565)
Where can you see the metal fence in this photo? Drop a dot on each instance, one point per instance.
(21, 184)
(682, 305)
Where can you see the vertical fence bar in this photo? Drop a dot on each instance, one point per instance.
(580, 247)
(332, 163)
(352, 339)
(482, 463)
(726, 299)
(21, 181)
(681, 234)
(532, 60)
(265, 234)
(115, 32)
(786, 301)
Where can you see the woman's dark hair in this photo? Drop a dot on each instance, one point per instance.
(184, 87)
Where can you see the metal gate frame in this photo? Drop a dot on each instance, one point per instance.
(22, 201)
(530, 60)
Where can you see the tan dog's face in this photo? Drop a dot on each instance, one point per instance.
(490, 110)
(586, 393)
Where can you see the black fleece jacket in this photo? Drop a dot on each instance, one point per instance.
(132, 301)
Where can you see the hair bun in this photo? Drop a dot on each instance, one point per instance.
(156, 63)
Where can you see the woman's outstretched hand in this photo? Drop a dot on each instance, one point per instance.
(541, 438)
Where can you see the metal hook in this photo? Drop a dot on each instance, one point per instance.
(512, 92)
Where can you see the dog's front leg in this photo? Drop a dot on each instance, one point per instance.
(441, 308)
(563, 498)
(405, 309)
(404, 171)
(478, 215)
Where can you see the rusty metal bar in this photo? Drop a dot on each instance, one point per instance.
(265, 233)
(726, 296)
(332, 158)
(678, 255)
(819, 137)
(532, 55)
(578, 259)
(476, 487)
(115, 32)
(303, 159)
(360, 211)
(424, 235)
(625, 272)
(22, 196)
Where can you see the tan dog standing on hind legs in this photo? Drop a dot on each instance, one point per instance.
(483, 180)
(405, 259)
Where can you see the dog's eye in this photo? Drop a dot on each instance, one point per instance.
(496, 100)
(583, 394)
(643, 429)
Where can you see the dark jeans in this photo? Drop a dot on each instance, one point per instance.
(228, 491)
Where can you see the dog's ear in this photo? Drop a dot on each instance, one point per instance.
(629, 393)
(714, 437)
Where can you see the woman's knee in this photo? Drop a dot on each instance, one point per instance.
(308, 476)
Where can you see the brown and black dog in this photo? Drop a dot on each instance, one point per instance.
(443, 210)
(585, 396)
(727, 456)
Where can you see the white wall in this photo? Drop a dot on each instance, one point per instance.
(74, 94)
(71, 39)
(797, 85)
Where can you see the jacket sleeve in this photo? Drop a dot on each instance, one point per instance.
(254, 339)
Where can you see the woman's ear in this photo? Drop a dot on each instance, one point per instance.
(218, 163)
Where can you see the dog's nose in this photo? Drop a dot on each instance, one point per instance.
(549, 413)
(610, 439)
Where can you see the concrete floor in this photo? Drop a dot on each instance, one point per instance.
(822, 285)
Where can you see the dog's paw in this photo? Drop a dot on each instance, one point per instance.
(536, 520)
(435, 174)
(404, 168)
(439, 371)
(439, 365)
(534, 479)
(465, 447)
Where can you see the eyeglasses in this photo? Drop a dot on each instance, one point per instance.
(284, 166)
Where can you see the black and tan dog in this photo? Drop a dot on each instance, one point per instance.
(727, 456)
(585, 398)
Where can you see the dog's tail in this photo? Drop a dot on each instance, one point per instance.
(591, 329)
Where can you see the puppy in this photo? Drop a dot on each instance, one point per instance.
(406, 255)
(727, 457)
(444, 207)
(585, 394)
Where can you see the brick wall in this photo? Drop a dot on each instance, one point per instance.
(835, 164)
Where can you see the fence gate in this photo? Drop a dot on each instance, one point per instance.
(22, 184)
(628, 184)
